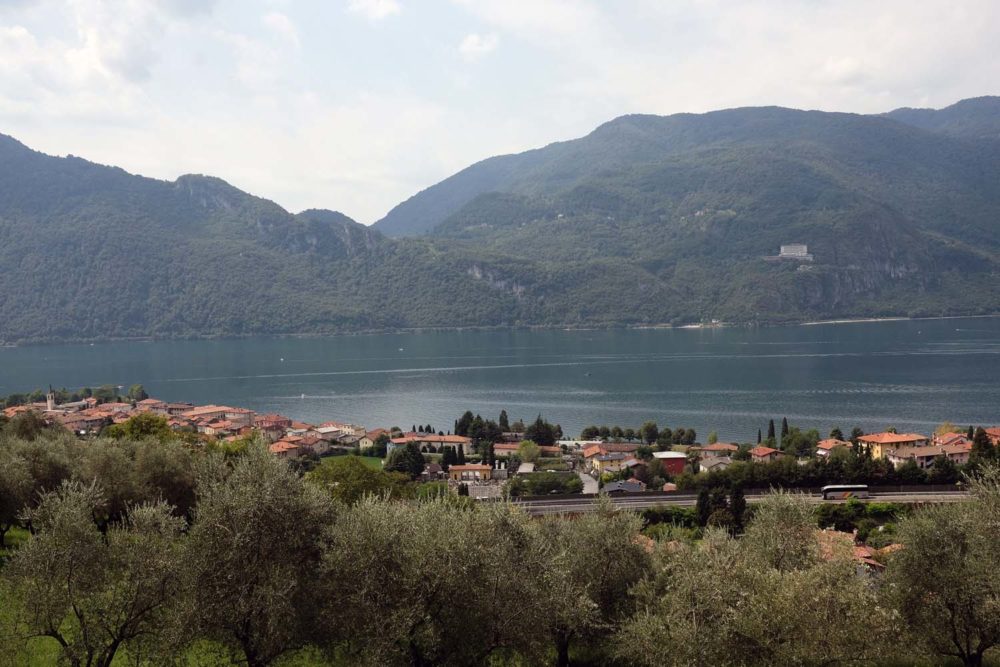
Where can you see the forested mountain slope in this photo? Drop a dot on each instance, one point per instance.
(646, 220)
(88, 251)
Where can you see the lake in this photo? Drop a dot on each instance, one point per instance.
(908, 374)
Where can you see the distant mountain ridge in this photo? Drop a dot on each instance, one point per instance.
(631, 139)
(646, 220)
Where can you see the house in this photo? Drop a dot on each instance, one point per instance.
(422, 440)
(218, 428)
(84, 424)
(272, 421)
(671, 463)
(626, 486)
(878, 444)
(352, 429)
(924, 456)
(117, 407)
(761, 454)
(601, 448)
(993, 433)
(371, 437)
(206, 413)
(950, 439)
(610, 462)
(833, 543)
(272, 432)
(328, 433)
(714, 463)
(154, 405)
(717, 449)
(313, 443)
(825, 447)
(470, 472)
(285, 450)
(432, 472)
(502, 449)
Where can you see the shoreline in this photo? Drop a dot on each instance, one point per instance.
(864, 320)
(526, 327)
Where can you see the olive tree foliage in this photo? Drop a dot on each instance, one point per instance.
(728, 601)
(945, 581)
(15, 489)
(595, 560)
(95, 594)
(348, 479)
(252, 555)
(432, 583)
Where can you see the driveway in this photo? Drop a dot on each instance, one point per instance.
(590, 485)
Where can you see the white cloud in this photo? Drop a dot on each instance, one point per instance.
(283, 26)
(292, 102)
(374, 10)
(475, 46)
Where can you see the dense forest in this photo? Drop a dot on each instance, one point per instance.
(149, 552)
(647, 220)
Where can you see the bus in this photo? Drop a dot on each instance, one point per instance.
(844, 491)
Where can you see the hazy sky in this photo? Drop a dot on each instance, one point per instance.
(357, 104)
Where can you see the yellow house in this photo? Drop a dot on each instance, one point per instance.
(880, 444)
(470, 472)
(611, 462)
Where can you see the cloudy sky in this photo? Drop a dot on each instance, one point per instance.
(357, 104)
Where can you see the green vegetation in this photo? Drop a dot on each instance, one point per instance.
(271, 568)
(646, 220)
(545, 483)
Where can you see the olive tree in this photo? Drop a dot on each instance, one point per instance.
(596, 559)
(771, 597)
(251, 557)
(434, 583)
(15, 489)
(944, 581)
(95, 594)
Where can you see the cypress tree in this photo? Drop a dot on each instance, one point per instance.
(971, 433)
(460, 455)
(738, 507)
(758, 436)
(770, 430)
(703, 508)
(784, 427)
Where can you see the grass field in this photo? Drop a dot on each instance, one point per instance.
(371, 461)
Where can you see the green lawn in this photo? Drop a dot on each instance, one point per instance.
(370, 461)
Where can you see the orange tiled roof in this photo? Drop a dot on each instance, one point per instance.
(720, 447)
(887, 438)
(831, 443)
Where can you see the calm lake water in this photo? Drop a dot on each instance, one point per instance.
(908, 374)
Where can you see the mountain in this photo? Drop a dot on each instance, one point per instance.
(889, 148)
(977, 118)
(646, 220)
(89, 252)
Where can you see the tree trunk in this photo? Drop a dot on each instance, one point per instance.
(562, 649)
(973, 660)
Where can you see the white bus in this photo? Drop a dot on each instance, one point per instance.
(844, 491)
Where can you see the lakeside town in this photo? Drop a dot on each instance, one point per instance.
(481, 458)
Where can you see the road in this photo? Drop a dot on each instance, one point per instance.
(578, 504)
